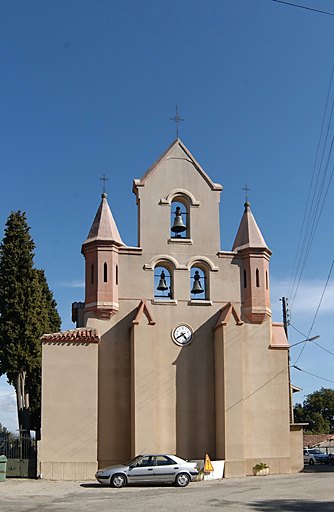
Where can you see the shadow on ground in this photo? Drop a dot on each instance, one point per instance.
(293, 506)
(319, 468)
(90, 486)
(100, 486)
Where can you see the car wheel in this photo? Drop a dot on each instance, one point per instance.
(118, 480)
(311, 462)
(182, 480)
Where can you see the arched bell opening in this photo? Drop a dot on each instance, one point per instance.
(163, 282)
(198, 283)
(180, 218)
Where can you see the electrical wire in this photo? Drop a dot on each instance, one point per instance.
(307, 211)
(313, 211)
(303, 7)
(323, 348)
(313, 342)
(300, 332)
(313, 374)
(322, 296)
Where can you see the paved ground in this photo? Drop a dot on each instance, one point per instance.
(310, 491)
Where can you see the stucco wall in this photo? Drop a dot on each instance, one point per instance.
(296, 448)
(68, 446)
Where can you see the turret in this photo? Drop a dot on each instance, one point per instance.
(251, 247)
(101, 272)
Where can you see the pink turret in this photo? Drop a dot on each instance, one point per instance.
(101, 254)
(252, 248)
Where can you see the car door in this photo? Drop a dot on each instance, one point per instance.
(165, 469)
(142, 470)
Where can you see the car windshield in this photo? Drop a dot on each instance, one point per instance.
(132, 461)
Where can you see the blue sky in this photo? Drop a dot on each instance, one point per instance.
(88, 88)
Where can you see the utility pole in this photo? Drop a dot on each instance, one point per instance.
(285, 315)
(285, 325)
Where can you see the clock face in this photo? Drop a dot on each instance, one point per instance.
(182, 334)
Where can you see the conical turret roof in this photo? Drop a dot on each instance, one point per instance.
(104, 227)
(249, 234)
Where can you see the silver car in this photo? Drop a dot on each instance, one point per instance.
(312, 455)
(148, 469)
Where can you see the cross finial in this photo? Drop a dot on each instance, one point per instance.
(246, 189)
(104, 179)
(177, 119)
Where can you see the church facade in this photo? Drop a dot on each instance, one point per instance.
(175, 350)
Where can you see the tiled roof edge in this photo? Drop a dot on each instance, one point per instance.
(73, 335)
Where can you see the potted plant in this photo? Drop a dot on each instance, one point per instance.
(261, 469)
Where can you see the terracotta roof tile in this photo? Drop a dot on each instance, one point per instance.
(80, 335)
(310, 440)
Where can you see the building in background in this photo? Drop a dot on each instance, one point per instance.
(175, 350)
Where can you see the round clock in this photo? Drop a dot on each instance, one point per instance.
(182, 334)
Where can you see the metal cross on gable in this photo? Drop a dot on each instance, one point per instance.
(246, 189)
(177, 120)
(104, 179)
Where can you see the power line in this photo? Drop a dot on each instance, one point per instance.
(303, 348)
(303, 7)
(313, 342)
(323, 348)
(322, 296)
(307, 210)
(300, 332)
(313, 374)
(313, 210)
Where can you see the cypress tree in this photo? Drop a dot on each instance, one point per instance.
(49, 321)
(27, 310)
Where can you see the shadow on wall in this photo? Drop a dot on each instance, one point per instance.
(195, 395)
(115, 374)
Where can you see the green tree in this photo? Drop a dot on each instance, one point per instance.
(4, 432)
(27, 310)
(49, 322)
(317, 410)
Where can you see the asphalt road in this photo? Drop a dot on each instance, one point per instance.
(312, 490)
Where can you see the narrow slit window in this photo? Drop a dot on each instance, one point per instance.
(257, 277)
(105, 272)
(267, 284)
(92, 274)
(245, 279)
(116, 274)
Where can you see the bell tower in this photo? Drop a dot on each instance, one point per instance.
(255, 255)
(101, 271)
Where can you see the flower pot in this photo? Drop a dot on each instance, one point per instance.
(261, 472)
